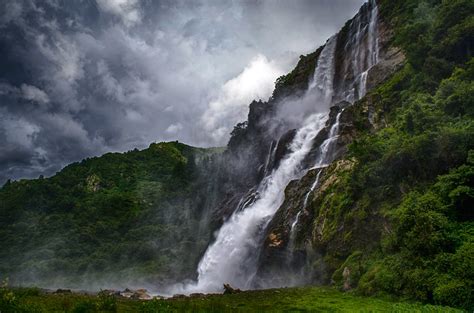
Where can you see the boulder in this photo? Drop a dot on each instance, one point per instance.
(140, 294)
(229, 290)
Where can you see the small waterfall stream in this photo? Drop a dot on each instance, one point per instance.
(324, 159)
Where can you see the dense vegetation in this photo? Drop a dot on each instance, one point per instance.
(406, 202)
(116, 218)
(274, 300)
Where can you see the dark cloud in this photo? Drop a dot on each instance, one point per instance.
(80, 78)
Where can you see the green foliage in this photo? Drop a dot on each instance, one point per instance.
(299, 78)
(85, 307)
(131, 215)
(355, 264)
(436, 35)
(411, 187)
(106, 302)
(8, 300)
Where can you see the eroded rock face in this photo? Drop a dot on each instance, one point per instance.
(289, 248)
(258, 145)
(392, 60)
(275, 262)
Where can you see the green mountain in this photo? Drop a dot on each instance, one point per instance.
(135, 216)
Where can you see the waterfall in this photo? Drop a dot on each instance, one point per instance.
(326, 149)
(305, 203)
(327, 146)
(361, 51)
(371, 50)
(232, 257)
(271, 157)
(321, 86)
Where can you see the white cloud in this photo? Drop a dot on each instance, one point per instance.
(174, 128)
(127, 10)
(256, 81)
(142, 71)
(34, 94)
(19, 130)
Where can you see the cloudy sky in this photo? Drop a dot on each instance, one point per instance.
(81, 78)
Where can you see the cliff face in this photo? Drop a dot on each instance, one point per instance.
(379, 216)
(293, 241)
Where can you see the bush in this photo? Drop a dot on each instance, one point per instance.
(106, 302)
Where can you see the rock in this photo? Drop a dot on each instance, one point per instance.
(140, 294)
(346, 274)
(110, 292)
(274, 240)
(127, 293)
(62, 291)
(283, 146)
(197, 295)
(229, 290)
(179, 296)
(392, 61)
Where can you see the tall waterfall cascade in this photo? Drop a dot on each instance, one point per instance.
(233, 256)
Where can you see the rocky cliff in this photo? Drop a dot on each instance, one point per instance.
(258, 145)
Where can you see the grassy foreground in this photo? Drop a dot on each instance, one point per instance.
(308, 299)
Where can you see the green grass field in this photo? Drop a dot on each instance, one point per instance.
(308, 299)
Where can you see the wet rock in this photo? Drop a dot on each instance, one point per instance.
(229, 290)
(283, 146)
(392, 61)
(274, 240)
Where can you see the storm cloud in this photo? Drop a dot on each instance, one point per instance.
(81, 78)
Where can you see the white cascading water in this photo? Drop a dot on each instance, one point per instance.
(363, 58)
(324, 159)
(327, 146)
(232, 257)
(321, 86)
(364, 50)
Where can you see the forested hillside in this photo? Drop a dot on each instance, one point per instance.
(131, 217)
(398, 209)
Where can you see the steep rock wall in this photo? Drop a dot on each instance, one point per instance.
(301, 234)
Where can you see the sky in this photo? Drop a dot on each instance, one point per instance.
(80, 78)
